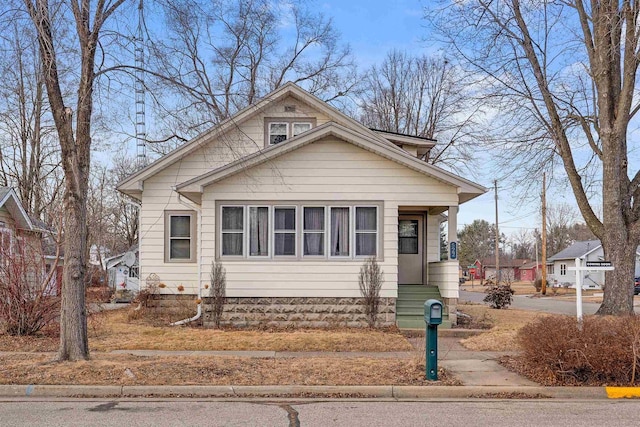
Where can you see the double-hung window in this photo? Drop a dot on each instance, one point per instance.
(313, 231)
(563, 269)
(180, 239)
(278, 132)
(281, 129)
(278, 231)
(232, 230)
(284, 231)
(339, 234)
(258, 231)
(366, 225)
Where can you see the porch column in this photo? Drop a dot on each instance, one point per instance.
(453, 249)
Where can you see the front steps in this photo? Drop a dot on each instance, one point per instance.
(410, 306)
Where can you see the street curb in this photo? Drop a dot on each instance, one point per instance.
(622, 392)
(375, 392)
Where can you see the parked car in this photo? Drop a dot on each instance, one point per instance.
(636, 286)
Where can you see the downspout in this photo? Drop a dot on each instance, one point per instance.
(199, 252)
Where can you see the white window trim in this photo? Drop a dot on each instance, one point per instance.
(287, 134)
(300, 123)
(269, 231)
(351, 238)
(323, 232)
(244, 230)
(563, 269)
(274, 231)
(376, 232)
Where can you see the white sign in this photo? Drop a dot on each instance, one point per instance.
(591, 266)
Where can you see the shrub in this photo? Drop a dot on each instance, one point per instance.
(538, 284)
(499, 296)
(370, 281)
(218, 291)
(27, 292)
(605, 350)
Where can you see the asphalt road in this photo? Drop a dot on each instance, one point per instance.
(546, 305)
(494, 413)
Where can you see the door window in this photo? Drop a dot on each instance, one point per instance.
(408, 236)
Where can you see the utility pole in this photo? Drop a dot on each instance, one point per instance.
(495, 185)
(544, 234)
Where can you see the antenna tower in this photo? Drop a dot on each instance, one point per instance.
(141, 131)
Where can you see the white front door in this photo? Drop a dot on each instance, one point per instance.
(410, 247)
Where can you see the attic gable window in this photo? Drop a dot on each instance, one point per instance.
(278, 132)
(281, 129)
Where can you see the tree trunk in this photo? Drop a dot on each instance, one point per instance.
(618, 289)
(74, 344)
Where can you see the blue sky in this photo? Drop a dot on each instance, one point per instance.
(374, 27)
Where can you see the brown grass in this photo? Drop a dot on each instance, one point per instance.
(109, 369)
(506, 325)
(113, 331)
(604, 350)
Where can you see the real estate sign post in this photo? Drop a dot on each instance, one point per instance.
(589, 266)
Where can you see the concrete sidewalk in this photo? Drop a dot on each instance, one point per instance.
(471, 368)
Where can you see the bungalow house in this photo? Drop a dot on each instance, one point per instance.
(291, 196)
(558, 273)
(24, 248)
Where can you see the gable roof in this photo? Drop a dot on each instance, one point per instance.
(467, 190)
(134, 181)
(9, 198)
(576, 250)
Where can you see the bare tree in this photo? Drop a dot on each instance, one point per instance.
(562, 75)
(74, 134)
(29, 156)
(215, 58)
(522, 245)
(422, 96)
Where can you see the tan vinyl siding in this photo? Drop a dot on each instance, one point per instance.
(324, 171)
(433, 238)
(158, 196)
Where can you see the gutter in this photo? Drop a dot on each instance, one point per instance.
(199, 252)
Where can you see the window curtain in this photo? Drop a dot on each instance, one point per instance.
(340, 231)
(259, 231)
(284, 220)
(314, 231)
(232, 230)
(366, 231)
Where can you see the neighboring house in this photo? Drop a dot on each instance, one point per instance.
(558, 273)
(122, 270)
(292, 196)
(510, 269)
(529, 271)
(23, 246)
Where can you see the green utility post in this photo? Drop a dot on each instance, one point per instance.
(433, 318)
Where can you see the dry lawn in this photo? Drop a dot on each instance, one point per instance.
(502, 335)
(110, 369)
(113, 330)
